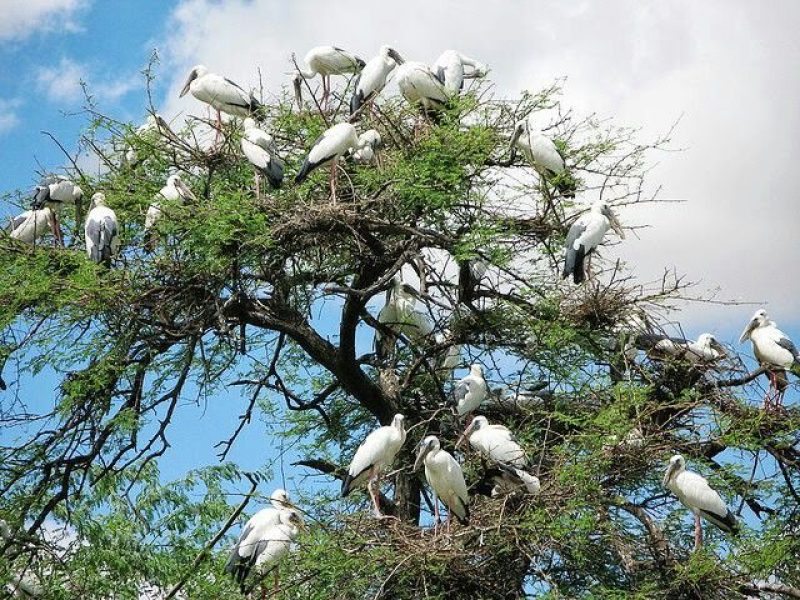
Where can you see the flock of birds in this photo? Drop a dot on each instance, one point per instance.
(267, 537)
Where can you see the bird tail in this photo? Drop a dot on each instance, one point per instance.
(105, 244)
(274, 173)
(256, 108)
(578, 275)
(357, 101)
(463, 519)
(728, 523)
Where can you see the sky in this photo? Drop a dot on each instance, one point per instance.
(728, 70)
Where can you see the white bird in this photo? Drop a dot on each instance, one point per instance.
(775, 351)
(494, 442)
(372, 78)
(148, 130)
(368, 144)
(400, 314)
(585, 235)
(509, 480)
(420, 86)
(327, 148)
(376, 453)
(449, 69)
(543, 155)
(445, 477)
(470, 391)
(705, 350)
(452, 356)
(259, 148)
(56, 192)
(219, 92)
(101, 231)
(325, 61)
(245, 552)
(31, 225)
(175, 190)
(470, 275)
(695, 494)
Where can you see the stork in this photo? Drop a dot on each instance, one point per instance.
(259, 148)
(543, 155)
(368, 144)
(494, 442)
(372, 78)
(175, 190)
(325, 61)
(585, 235)
(376, 453)
(31, 225)
(101, 231)
(470, 391)
(327, 148)
(706, 349)
(695, 494)
(445, 477)
(400, 314)
(774, 351)
(420, 87)
(449, 69)
(55, 192)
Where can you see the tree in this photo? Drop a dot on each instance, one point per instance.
(276, 295)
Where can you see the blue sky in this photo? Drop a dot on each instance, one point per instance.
(734, 87)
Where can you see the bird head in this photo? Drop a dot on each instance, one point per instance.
(99, 199)
(197, 71)
(604, 209)
(675, 466)
(759, 319)
(707, 340)
(476, 423)
(280, 499)
(476, 370)
(387, 51)
(398, 421)
(519, 129)
(426, 446)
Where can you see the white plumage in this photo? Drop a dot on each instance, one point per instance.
(470, 391)
(449, 69)
(101, 231)
(32, 224)
(376, 453)
(175, 190)
(509, 480)
(452, 356)
(420, 86)
(368, 144)
(538, 149)
(333, 143)
(705, 349)
(219, 92)
(259, 148)
(697, 495)
(445, 477)
(56, 192)
(400, 314)
(264, 537)
(495, 442)
(372, 78)
(326, 61)
(585, 235)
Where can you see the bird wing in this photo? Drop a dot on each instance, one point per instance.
(257, 155)
(217, 89)
(374, 450)
(696, 493)
(19, 220)
(787, 344)
(576, 230)
(545, 153)
(461, 390)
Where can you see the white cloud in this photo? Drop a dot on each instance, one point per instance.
(9, 118)
(62, 84)
(21, 18)
(728, 67)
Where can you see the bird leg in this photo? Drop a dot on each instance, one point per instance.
(277, 581)
(218, 134)
(374, 496)
(698, 533)
(768, 396)
(58, 240)
(334, 166)
(258, 185)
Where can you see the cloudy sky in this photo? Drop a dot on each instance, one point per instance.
(730, 70)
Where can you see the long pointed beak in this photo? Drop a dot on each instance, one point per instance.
(615, 225)
(515, 137)
(187, 85)
(668, 475)
(719, 348)
(465, 435)
(747, 331)
(186, 192)
(423, 451)
(396, 57)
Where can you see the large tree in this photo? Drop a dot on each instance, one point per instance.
(276, 297)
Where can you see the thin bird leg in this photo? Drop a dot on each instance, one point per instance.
(258, 185)
(768, 396)
(218, 135)
(698, 533)
(374, 496)
(277, 581)
(334, 166)
(55, 227)
(436, 517)
(326, 92)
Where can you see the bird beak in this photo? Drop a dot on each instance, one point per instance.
(395, 56)
(298, 91)
(747, 331)
(514, 138)
(423, 451)
(719, 348)
(191, 78)
(615, 224)
(668, 474)
(186, 192)
(465, 434)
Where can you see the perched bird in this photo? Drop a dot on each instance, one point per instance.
(259, 148)
(452, 355)
(470, 391)
(56, 192)
(372, 78)
(494, 442)
(509, 479)
(31, 225)
(420, 86)
(368, 144)
(325, 61)
(470, 275)
(695, 494)
(585, 235)
(449, 69)
(250, 545)
(400, 314)
(175, 190)
(327, 148)
(101, 231)
(543, 155)
(148, 130)
(221, 93)
(376, 453)
(705, 350)
(445, 477)
(773, 350)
